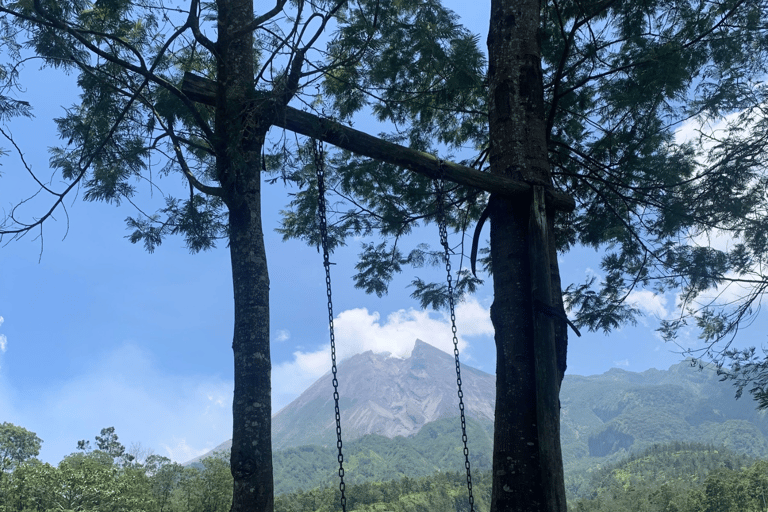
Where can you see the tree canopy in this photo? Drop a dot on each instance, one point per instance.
(596, 92)
(17, 444)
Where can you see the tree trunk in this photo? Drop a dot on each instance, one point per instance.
(240, 133)
(527, 460)
(251, 457)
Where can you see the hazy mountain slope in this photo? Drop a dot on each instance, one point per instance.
(604, 417)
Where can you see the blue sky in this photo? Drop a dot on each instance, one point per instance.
(100, 333)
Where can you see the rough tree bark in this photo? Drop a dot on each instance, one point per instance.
(527, 463)
(240, 133)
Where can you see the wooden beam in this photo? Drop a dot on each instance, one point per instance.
(203, 91)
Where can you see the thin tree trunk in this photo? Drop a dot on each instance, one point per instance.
(527, 460)
(251, 458)
(240, 134)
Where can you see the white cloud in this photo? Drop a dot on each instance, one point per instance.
(283, 335)
(728, 293)
(3, 339)
(473, 319)
(358, 330)
(649, 303)
(125, 389)
(180, 451)
(590, 273)
(714, 238)
(623, 362)
(691, 131)
(291, 378)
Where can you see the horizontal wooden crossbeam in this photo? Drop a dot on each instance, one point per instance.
(203, 91)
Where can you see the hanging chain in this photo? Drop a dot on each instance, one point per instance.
(441, 220)
(317, 151)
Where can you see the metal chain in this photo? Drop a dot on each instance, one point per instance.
(317, 151)
(441, 220)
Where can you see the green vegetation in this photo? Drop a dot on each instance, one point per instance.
(607, 417)
(108, 479)
(437, 447)
(384, 475)
(438, 492)
(677, 477)
(679, 464)
(17, 444)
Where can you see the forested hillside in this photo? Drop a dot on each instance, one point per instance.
(436, 448)
(606, 417)
(676, 477)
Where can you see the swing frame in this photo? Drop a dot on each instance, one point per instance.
(319, 160)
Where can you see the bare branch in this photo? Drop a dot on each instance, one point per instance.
(193, 22)
(205, 189)
(260, 20)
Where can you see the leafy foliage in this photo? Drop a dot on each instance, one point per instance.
(423, 72)
(130, 109)
(9, 106)
(646, 198)
(441, 491)
(17, 444)
(748, 370)
(620, 78)
(372, 458)
(110, 480)
(680, 478)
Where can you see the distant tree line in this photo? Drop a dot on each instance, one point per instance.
(106, 478)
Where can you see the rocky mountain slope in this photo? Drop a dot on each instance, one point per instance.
(384, 395)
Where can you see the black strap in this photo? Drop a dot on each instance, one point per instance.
(554, 313)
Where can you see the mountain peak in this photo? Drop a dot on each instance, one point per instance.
(385, 395)
(423, 349)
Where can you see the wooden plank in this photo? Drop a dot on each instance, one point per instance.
(203, 90)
